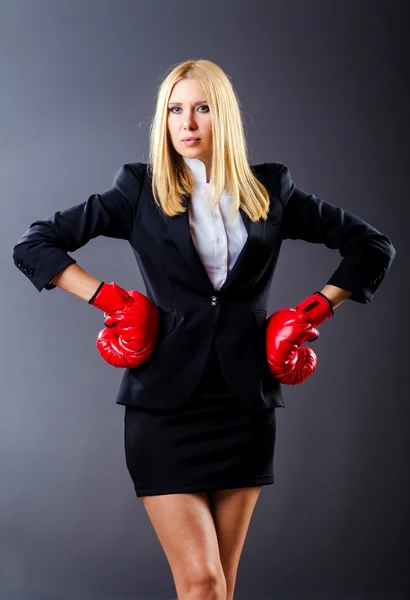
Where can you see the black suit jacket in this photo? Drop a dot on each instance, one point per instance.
(193, 314)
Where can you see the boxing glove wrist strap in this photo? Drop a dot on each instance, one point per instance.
(317, 307)
(110, 297)
(97, 291)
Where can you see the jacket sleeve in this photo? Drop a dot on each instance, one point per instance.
(367, 253)
(42, 251)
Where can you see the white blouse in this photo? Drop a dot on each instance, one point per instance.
(218, 240)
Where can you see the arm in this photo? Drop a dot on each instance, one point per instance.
(335, 294)
(367, 254)
(131, 320)
(42, 251)
(75, 280)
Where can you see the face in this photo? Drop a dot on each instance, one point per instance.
(189, 115)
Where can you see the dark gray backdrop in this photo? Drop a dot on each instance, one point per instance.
(323, 89)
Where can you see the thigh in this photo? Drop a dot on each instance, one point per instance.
(232, 511)
(186, 531)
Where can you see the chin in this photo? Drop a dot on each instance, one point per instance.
(192, 154)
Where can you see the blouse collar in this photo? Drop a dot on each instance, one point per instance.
(198, 169)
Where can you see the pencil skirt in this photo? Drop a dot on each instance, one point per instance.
(213, 442)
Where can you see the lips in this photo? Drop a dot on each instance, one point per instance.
(187, 139)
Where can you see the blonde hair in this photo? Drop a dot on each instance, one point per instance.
(170, 175)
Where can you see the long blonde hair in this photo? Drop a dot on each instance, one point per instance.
(170, 175)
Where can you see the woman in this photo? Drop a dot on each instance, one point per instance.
(204, 365)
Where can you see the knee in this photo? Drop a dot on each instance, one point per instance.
(208, 586)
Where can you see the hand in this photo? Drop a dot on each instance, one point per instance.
(131, 325)
(289, 328)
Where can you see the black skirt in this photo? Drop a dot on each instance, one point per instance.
(213, 442)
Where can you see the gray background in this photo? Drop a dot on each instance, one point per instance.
(323, 90)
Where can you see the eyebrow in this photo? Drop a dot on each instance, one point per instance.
(180, 103)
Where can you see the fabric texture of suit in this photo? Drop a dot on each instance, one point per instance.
(193, 314)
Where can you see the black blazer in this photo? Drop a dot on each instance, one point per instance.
(193, 313)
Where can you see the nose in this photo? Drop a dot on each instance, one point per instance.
(189, 124)
(189, 121)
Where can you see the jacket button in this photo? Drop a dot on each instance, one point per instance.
(214, 300)
(19, 262)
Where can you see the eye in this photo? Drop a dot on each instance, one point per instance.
(172, 108)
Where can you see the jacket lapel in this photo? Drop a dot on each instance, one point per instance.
(179, 229)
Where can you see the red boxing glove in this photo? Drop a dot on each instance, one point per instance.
(287, 330)
(131, 325)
